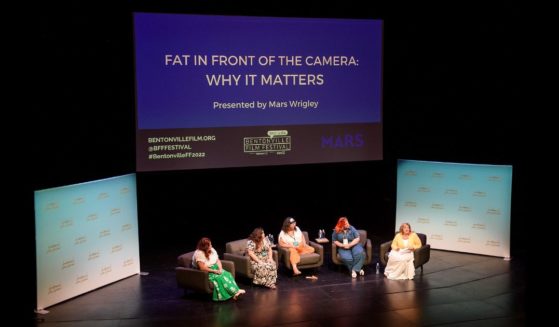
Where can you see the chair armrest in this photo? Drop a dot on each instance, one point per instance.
(241, 262)
(335, 254)
(284, 256)
(193, 279)
(318, 248)
(422, 255)
(384, 249)
(275, 257)
(229, 266)
(369, 251)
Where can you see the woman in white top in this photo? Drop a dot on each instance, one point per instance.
(292, 238)
(205, 258)
(400, 259)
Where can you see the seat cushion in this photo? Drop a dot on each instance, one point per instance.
(309, 258)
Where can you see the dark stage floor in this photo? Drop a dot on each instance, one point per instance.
(455, 289)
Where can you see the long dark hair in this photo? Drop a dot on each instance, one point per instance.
(256, 235)
(286, 224)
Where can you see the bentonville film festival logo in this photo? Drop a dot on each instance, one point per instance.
(276, 142)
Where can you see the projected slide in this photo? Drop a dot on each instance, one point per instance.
(460, 207)
(229, 91)
(86, 237)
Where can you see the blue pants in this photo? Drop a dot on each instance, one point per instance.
(353, 258)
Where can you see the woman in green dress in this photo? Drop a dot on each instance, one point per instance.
(205, 258)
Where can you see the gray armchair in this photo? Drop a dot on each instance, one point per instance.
(365, 242)
(308, 260)
(420, 256)
(195, 279)
(236, 251)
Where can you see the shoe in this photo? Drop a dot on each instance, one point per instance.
(362, 272)
(353, 274)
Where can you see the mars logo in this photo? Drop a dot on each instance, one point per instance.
(342, 141)
(277, 142)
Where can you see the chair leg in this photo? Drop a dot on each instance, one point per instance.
(422, 269)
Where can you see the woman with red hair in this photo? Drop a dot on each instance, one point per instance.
(205, 258)
(349, 247)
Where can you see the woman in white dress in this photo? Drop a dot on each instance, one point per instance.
(400, 259)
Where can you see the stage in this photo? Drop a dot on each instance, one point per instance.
(454, 289)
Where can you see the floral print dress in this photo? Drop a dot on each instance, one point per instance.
(265, 273)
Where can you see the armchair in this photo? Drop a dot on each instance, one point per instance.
(365, 242)
(420, 256)
(236, 251)
(197, 280)
(308, 260)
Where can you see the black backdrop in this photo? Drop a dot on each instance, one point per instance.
(452, 87)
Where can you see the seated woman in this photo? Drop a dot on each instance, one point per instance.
(292, 238)
(347, 241)
(400, 259)
(261, 261)
(205, 258)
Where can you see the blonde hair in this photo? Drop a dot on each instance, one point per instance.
(402, 227)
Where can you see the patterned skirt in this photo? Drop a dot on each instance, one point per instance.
(224, 285)
(265, 273)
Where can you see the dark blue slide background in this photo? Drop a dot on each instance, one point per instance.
(178, 96)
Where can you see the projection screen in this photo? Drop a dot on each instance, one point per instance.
(231, 91)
